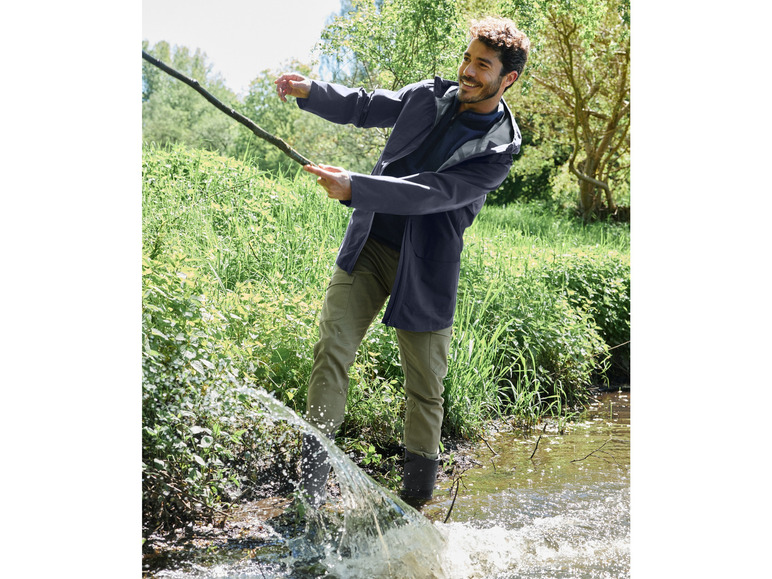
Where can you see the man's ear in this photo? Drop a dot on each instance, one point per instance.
(510, 78)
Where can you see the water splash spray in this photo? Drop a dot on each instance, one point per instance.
(370, 530)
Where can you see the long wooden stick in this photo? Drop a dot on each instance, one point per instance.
(263, 134)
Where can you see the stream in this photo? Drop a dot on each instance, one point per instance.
(562, 513)
(552, 503)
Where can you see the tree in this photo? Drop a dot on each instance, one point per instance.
(580, 70)
(263, 106)
(174, 113)
(392, 43)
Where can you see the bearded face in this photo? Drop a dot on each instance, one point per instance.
(480, 79)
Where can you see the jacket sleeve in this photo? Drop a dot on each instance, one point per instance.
(430, 192)
(343, 105)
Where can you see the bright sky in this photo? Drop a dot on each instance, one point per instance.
(241, 38)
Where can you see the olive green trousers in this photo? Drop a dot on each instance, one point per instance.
(350, 307)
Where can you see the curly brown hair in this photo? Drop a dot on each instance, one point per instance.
(502, 35)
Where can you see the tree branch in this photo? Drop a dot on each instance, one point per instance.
(593, 452)
(263, 134)
(489, 446)
(537, 442)
(457, 484)
(582, 177)
(562, 94)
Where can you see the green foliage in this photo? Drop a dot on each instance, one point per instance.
(240, 227)
(600, 286)
(212, 294)
(397, 42)
(376, 399)
(185, 434)
(476, 361)
(556, 346)
(281, 119)
(578, 80)
(535, 168)
(321, 141)
(521, 348)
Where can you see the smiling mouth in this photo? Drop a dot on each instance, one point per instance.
(467, 84)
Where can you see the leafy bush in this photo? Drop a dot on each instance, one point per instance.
(555, 346)
(599, 285)
(520, 349)
(186, 431)
(203, 434)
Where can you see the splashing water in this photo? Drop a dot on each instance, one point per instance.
(585, 543)
(540, 522)
(378, 533)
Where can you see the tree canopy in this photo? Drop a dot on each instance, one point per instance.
(580, 71)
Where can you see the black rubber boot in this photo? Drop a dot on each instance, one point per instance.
(418, 480)
(314, 469)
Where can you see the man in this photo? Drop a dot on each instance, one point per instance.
(451, 144)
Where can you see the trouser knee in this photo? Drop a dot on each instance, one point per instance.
(328, 384)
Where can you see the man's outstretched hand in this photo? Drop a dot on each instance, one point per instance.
(292, 85)
(335, 180)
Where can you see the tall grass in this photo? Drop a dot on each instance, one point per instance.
(235, 265)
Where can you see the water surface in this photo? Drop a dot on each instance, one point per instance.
(559, 509)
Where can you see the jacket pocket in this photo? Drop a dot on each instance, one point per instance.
(434, 237)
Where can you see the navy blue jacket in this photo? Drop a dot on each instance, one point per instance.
(439, 205)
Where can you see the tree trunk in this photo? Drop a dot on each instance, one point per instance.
(588, 200)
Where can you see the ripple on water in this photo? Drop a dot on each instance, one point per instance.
(573, 535)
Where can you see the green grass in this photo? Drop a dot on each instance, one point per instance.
(235, 265)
